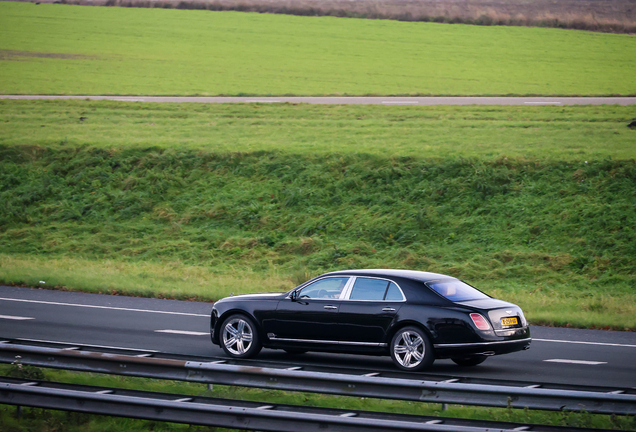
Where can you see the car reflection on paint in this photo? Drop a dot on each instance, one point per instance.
(415, 317)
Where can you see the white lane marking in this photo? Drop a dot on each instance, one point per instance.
(585, 343)
(583, 362)
(542, 103)
(184, 332)
(127, 100)
(103, 307)
(18, 318)
(262, 101)
(400, 102)
(86, 345)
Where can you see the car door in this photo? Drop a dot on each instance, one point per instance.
(366, 313)
(311, 317)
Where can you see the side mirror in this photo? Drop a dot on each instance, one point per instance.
(294, 296)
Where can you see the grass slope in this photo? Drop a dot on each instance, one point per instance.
(60, 49)
(555, 236)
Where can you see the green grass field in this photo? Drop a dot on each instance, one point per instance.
(139, 199)
(60, 49)
(535, 205)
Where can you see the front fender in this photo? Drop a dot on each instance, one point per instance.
(256, 311)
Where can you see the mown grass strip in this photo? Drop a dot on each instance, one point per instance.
(61, 49)
(576, 133)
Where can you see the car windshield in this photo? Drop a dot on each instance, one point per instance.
(456, 290)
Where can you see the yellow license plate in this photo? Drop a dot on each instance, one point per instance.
(509, 321)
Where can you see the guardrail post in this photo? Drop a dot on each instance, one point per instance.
(18, 412)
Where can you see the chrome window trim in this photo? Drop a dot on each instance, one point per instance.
(344, 289)
(477, 344)
(319, 341)
(349, 288)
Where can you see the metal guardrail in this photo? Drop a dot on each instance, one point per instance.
(300, 362)
(321, 382)
(203, 414)
(231, 413)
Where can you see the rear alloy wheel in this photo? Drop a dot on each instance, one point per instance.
(239, 338)
(411, 350)
(473, 360)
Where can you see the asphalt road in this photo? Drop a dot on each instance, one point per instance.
(557, 355)
(359, 100)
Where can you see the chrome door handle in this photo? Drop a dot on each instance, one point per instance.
(388, 309)
(331, 307)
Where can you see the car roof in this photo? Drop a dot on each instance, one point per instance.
(406, 274)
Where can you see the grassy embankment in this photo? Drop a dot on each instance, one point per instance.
(59, 49)
(35, 419)
(538, 213)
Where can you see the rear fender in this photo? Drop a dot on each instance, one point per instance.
(407, 323)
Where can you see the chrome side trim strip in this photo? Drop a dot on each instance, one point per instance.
(477, 344)
(508, 332)
(305, 340)
(373, 344)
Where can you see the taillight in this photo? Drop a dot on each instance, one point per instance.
(480, 321)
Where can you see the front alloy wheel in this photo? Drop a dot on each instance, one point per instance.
(411, 349)
(239, 337)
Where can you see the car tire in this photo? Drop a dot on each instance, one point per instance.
(239, 337)
(411, 349)
(473, 360)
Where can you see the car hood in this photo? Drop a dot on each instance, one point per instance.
(254, 296)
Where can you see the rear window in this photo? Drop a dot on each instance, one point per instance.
(456, 290)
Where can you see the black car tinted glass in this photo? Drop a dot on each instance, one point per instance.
(456, 290)
(369, 289)
(393, 293)
(328, 288)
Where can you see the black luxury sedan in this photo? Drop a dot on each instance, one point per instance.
(413, 316)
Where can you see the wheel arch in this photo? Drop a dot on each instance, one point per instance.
(235, 311)
(407, 323)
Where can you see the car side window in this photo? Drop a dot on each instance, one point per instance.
(328, 288)
(393, 293)
(369, 289)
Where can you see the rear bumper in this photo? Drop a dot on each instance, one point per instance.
(484, 348)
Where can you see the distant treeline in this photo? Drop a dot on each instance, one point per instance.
(614, 16)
